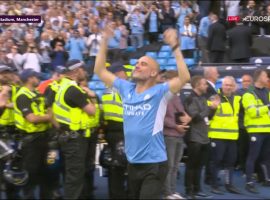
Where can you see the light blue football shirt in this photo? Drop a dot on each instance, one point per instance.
(143, 121)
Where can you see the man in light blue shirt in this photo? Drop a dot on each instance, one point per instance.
(136, 21)
(203, 36)
(144, 103)
(76, 46)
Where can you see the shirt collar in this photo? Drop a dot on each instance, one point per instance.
(212, 84)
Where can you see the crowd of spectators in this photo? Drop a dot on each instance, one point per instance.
(71, 29)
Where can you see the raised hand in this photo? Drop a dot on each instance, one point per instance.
(108, 31)
(171, 37)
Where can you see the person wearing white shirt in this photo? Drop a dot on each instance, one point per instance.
(32, 59)
(15, 57)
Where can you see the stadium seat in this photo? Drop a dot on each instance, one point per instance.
(130, 49)
(133, 61)
(161, 67)
(172, 61)
(166, 48)
(164, 54)
(162, 61)
(189, 62)
(171, 67)
(152, 54)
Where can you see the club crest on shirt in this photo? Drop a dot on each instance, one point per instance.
(146, 97)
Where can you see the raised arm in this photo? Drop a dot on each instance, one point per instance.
(175, 84)
(100, 67)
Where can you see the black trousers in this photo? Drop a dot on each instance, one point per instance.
(242, 145)
(259, 148)
(34, 154)
(117, 179)
(197, 155)
(216, 56)
(88, 188)
(146, 180)
(74, 152)
(223, 153)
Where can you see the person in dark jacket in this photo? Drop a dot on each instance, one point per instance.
(196, 106)
(243, 140)
(59, 56)
(240, 42)
(168, 16)
(251, 10)
(216, 40)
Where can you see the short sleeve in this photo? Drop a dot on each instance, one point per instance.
(165, 91)
(49, 96)
(122, 85)
(24, 105)
(80, 101)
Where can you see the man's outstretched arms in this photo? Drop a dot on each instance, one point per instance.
(100, 64)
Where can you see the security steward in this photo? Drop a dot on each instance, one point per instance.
(33, 122)
(94, 123)
(114, 135)
(7, 125)
(54, 160)
(72, 110)
(223, 132)
(256, 102)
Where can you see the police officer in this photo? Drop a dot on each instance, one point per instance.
(54, 159)
(113, 116)
(257, 122)
(223, 132)
(94, 123)
(71, 109)
(33, 122)
(7, 125)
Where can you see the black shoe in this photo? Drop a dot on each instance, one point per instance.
(217, 191)
(266, 183)
(202, 195)
(230, 188)
(251, 188)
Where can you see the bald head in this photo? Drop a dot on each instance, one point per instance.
(152, 63)
(211, 74)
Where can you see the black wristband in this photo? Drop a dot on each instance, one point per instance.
(175, 47)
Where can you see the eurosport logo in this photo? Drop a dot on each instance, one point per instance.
(249, 19)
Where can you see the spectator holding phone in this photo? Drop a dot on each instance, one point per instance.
(175, 125)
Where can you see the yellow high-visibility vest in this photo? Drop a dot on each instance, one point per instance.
(75, 118)
(38, 107)
(112, 106)
(224, 124)
(256, 119)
